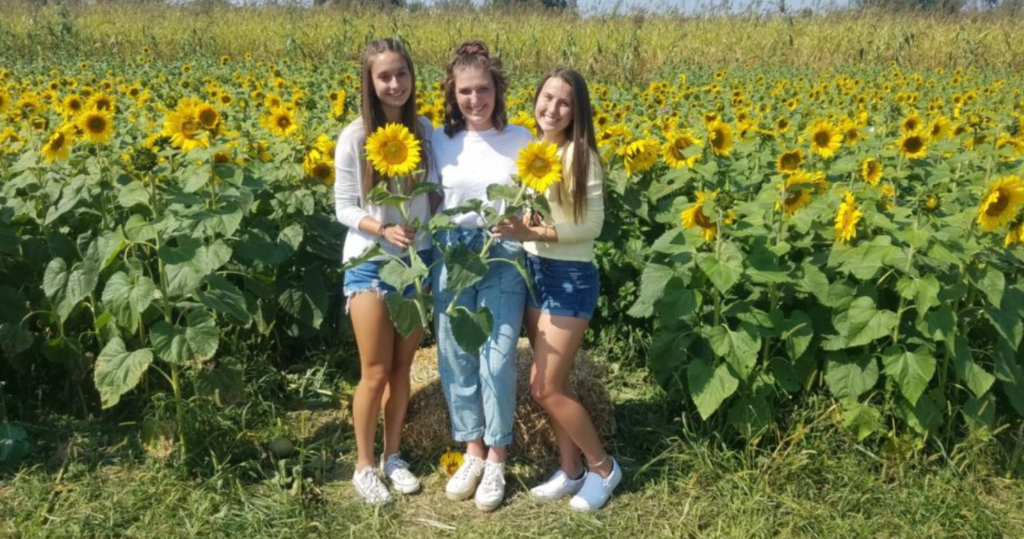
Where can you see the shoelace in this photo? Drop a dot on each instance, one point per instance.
(399, 468)
(463, 471)
(492, 480)
(373, 485)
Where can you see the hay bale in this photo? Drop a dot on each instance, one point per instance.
(428, 427)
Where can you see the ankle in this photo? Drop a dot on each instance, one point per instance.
(574, 471)
(602, 467)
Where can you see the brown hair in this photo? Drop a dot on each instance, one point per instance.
(580, 132)
(473, 54)
(373, 112)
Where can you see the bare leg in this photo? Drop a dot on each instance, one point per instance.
(558, 338)
(396, 398)
(374, 337)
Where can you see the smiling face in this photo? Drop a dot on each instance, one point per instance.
(392, 81)
(474, 92)
(553, 110)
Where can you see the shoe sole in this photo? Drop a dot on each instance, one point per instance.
(457, 497)
(406, 490)
(488, 508)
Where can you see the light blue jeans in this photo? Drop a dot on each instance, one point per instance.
(481, 388)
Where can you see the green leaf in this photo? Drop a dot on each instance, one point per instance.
(664, 358)
(404, 313)
(672, 242)
(938, 324)
(399, 275)
(381, 196)
(225, 298)
(1007, 323)
(798, 333)
(223, 383)
(979, 412)
(190, 262)
(864, 323)
(119, 371)
(198, 341)
(14, 339)
(722, 273)
(991, 282)
(927, 415)
(849, 378)
(652, 288)
(861, 419)
(471, 329)
(678, 301)
(974, 376)
(464, 266)
(923, 290)
(814, 282)
(911, 370)
(14, 444)
(66, 288)
(864, 260)
(128, 297)
(739, 348)
(709, 387)
(138, 229)
(750, 416)
(369, 254)
(196, 179)
(308, 302)
(132, 194)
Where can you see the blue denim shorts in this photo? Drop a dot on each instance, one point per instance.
(366, 277)
(562, 287)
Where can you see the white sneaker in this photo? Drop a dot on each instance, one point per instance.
(369, 486)
(463, 483)
(559, 486)
(596, 489)
(491, 491)
(397, 470)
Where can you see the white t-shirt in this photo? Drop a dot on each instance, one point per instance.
(349, 205)
(472, 160)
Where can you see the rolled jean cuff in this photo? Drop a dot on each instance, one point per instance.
(503, 441)
(468, 435)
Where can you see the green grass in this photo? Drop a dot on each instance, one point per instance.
(682, 480)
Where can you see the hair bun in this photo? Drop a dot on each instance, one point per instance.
(471, 48)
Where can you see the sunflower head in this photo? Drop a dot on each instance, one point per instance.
(847, 218)
(790, 161)
(720, 138)
(912, 145)
(824, 137)
(450, 461)
(58, 145)
(539, 166)
(693, 216)
(393, 150)
(796, 192)
(673, 149)
(281, 121)
(871, 171)
(207, 115)
(639, 156)
(911, 123)
(97, 126)
(1000, 202)
(319, 166)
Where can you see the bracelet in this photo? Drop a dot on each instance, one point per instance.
(382, 228)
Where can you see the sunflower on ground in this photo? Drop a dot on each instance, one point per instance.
(847, 218)
(673, 149)
(523, 119)
(871, 171)
(790, 161)
(824, 137)
(450, 461)
(58, 145)
(720, 138)
(1000, 202)
(539, 166)
(639, 156)
(393, 150)
(96, 126)
(694, 216)
(281, 121)
(913, 145)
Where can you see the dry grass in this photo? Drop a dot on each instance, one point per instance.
(428, 431)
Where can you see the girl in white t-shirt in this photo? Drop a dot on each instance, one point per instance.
(478, 148)
(560, 263)
(385, 357)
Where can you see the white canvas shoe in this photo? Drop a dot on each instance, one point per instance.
(370, 487)
(397, 470)
(559, 486)
(596, 489)
(491, 491)
(464, 482)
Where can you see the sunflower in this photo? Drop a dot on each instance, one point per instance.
(5, 99)
(1000, 202)
(539, 166)
(393, 150)
(678, 142)
(72, 105)
(825, 138)
(790, 161)
(184, 129)
(796, 192)
(720, 137)
(851, 133)
(207, 115)
(58, 146)
(451, 461)
(938, 128)
(96, 125)
(319, 166)
(281, 122)
(100, 101)
(694, 216)
(871, 171)
(639, 155)
(912, 123)
(912, 145)
(782, 124)
(847, 218)
(523, 119)
(1016, 233)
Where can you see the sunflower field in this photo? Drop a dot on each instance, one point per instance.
(771, 232)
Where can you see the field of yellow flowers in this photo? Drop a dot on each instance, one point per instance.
(853, 231)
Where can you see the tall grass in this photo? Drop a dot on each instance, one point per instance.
(623, 47)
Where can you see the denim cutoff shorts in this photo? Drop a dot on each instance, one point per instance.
(366, 277)
(562, 287)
